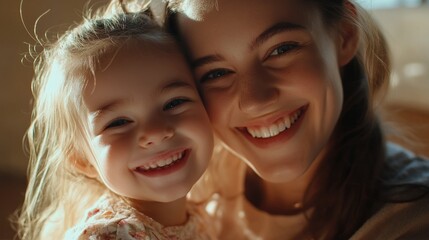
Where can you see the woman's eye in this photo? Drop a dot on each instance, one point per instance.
(174, 103)
(118, 123)
(283, 48)
(217, 73)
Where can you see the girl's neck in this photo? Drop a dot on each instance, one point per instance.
(166, 213)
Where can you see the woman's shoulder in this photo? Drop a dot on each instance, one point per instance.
(405, 191)
(408, 220)
(109, 219)
(404, 167)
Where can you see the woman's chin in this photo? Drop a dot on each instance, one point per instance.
(281, 172)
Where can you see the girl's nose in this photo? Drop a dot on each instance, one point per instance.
(154, 134)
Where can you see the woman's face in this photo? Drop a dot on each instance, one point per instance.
(269, 76)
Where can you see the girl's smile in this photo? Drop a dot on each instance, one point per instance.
(164, 163)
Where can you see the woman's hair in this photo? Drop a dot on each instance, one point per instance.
(347, 184)
(58, 137)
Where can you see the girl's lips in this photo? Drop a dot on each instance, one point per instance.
(266, 140)
(174, 166)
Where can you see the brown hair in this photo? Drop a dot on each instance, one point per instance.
(348, 179)
(349, 188)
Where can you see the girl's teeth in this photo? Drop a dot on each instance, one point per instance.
(287, 122)
(282, 126)
(265, 132)
(163, 163)
(276, 128)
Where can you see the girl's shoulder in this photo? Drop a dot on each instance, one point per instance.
(112, 219)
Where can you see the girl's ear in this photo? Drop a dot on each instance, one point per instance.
(348, 36)
(83, 166)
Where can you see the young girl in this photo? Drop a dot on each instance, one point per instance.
(291, 89)
(119, 128)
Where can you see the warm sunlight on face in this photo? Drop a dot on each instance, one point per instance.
(150, 133)
(269, 76)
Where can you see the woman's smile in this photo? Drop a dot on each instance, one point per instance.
(278, 126)
(280, 131)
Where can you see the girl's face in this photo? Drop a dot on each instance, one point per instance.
(150, 133)
(269, 76)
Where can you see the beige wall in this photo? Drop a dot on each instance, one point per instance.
(408, 34)
(15, 76)
(407, 31)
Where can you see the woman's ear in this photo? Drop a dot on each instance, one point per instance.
(348, 36)
(84, 166)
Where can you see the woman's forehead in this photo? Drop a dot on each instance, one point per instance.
(199, 10)
(230, 17)
(195, 9)
(222, 13)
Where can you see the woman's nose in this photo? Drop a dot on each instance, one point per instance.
(154, 134)
(256, 93)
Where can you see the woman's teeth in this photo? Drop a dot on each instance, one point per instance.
(163, 163)
(275, 128)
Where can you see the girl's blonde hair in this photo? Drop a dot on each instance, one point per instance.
(58, 137)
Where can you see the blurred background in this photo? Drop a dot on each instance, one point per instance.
(404, 22)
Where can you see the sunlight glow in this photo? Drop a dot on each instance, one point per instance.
(413, 70)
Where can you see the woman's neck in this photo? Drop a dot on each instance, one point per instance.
(167, 214)
(285, 198)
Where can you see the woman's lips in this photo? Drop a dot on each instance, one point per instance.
(281, 130)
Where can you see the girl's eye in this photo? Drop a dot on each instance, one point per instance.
(174, 103)
(118, 123)
(283, 48)
(213, 74)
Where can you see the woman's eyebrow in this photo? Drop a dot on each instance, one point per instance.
(264, 36)
(273, 30)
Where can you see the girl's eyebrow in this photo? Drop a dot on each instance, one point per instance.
(206, 60)
(175, 84)
(276, 28)
(264, 36)
(98, 113)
